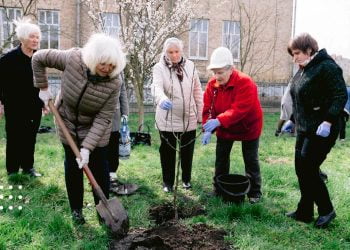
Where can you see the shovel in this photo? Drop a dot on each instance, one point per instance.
(111, 211)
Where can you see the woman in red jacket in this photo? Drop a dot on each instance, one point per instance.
(232, 109)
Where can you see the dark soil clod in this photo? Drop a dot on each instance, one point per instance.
(172, 235)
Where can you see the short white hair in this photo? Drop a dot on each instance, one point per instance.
(173, 42)
(102, 48)
(24, 28)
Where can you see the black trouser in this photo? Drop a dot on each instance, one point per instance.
(310, 152)
(113, 152)
(342, 125)
(167, 152)
(74, 176)
(251, 162)
(21, 130)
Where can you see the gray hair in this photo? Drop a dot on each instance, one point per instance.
(24, 28)
(171, 42)
(102, 48)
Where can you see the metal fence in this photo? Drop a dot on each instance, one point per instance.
(270, 95)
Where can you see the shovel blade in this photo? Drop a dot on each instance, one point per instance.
(114, 216)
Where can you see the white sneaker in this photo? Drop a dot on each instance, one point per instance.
(186, 185)
(167, 189)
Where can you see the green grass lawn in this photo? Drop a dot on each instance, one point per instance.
(45, 222)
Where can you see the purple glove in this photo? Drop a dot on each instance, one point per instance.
(206, 138)
(288, 127)
(324, 129)
(211, 124)
(166, 104)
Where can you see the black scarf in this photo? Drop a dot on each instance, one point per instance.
(177, 67)
(96, 78)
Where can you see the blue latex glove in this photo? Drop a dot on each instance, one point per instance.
(324, 129)
(166, 104)
(211, 124)
(206, 138)
(288, 127)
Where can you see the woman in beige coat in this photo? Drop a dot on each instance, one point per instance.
(179, 98)
(87, 103)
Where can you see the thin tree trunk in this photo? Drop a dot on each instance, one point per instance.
(138, 86)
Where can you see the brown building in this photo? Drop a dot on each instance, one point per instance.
(257, 32)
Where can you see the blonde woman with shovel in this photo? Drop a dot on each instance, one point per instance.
(87, 103)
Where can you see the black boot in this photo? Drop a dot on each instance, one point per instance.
(77, 216)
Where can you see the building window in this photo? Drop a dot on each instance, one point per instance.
(49, 23)
(231, 38)
(199, 39)
(111, 23)
(7, 27)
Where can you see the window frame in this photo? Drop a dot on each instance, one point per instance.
(45, 11)
(197, 57)
(106, 29)
(10, 25)
(223, 43)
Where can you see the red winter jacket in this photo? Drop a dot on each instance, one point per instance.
(236, 106)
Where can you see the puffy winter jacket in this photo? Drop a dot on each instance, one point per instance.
(186, 96)
(86, 107)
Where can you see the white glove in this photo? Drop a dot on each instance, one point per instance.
(125, 117)
(45, 96)
(84, 154)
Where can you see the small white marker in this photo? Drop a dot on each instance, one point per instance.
(10, 197)
(20, 187)
(10, 187)
(1, 187)
(10, 207)
(20, 197)
(20, 207)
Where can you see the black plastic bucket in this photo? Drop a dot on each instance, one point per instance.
(232, 187)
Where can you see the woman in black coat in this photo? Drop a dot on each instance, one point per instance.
(319, 94)
(21, 101)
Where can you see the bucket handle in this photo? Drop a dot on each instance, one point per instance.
(233, 194)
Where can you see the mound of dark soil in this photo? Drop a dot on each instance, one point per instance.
(172, 235)
(166, 212)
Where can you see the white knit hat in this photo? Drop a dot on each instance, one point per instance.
(220, 58)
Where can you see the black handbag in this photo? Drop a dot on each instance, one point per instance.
(141, 138)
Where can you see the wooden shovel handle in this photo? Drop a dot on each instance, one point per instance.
(72, 144)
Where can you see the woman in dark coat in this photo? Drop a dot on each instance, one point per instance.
(319, 94)
(22, 105)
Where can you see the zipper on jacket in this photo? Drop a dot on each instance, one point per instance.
(77, 113)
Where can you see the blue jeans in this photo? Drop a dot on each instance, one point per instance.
(74, 176)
